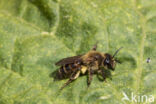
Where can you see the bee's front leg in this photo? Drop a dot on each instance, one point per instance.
(103, 74)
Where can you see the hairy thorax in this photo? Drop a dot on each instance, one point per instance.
(93, 59)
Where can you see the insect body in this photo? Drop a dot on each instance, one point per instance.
(89, 63)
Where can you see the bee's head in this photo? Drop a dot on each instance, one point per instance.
(110, 61)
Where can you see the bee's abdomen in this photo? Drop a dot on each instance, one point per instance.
(66, 70)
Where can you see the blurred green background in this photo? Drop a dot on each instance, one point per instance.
(34, 34)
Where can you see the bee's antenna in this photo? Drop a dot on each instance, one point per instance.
(117, 51)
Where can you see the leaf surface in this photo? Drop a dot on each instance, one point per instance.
(35, 34)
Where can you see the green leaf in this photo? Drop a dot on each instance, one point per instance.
(35, 34)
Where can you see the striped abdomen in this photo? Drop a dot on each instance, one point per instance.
(65, 71)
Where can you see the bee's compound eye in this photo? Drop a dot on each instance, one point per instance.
(107, 61)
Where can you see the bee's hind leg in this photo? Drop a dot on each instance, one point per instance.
(73, 76)
(68, 82)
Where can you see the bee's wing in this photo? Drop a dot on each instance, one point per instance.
(68, 60)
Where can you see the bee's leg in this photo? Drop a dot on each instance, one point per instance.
(94, 47)
(89, 76)
(99, 74)
(103, 74)
(69, 81)
(74, 76)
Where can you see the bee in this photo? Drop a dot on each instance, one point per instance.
(93, 62)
